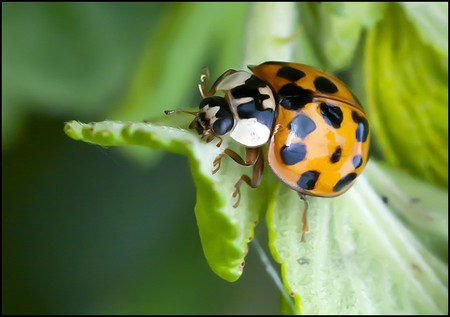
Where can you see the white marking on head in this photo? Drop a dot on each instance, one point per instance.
(250, 132)
(210, 113)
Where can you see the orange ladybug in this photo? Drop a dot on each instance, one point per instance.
(317, 132)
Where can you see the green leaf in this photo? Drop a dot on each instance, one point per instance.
(407, 97)
(224, 231)
(359, 258)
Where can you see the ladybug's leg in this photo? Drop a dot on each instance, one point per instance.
(210, 137)
(204, 81)
(250, 158)
(305, 228)
(255, 158)
(204, 78)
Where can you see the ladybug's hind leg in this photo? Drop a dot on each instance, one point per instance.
(253, 157)
(305, 228)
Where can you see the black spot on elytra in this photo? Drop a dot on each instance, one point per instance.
(336, 156)
(294, 97)
(250, 110)
(293, 153)
(357, 161)
(325, 85)
(302, 126)
(344, 181)
(362, 130)
(308, 180)
(331, 114)
(290, 73)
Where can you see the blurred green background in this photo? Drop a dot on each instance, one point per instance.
(85, 229)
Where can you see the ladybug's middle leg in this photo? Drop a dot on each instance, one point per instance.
(253, 157)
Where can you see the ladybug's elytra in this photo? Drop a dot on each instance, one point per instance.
(317, 132)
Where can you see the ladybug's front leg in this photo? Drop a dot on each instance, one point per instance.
(204, 78)
(253, 157)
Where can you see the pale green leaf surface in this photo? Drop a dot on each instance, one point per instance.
(358, 258)
(224, 231)
(422, 206)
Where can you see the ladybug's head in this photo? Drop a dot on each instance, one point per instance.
(214, 117)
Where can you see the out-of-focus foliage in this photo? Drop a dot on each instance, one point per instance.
(334, 29)
(203, 35)
(407, 89)
(68, 57)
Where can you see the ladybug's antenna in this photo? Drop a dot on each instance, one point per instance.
(305, 228)
(169, 112)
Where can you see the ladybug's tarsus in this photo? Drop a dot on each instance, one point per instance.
(217, 162)
(253, 183)
(220, 141)
(237, 192)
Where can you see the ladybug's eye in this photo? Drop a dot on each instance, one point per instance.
(217, 113)
(223, 125)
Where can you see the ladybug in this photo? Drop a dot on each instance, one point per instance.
(316, 130)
